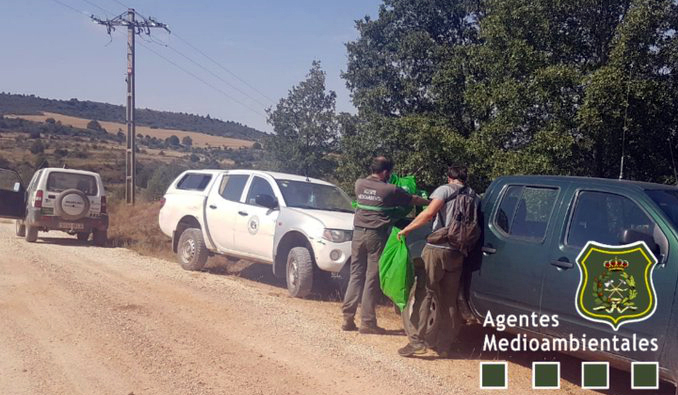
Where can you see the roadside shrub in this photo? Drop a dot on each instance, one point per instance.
(37, 147)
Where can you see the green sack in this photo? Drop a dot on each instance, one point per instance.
(408, 183)
(396, 274)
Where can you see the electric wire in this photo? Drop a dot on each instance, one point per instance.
(105, 11)
(72, 8)
(200, 79)
(221, 66)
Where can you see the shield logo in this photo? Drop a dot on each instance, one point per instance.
(615, 283)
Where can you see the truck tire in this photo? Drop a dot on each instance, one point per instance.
(191, 250)
(82, 236)
(410, 316)
(20, 229)
(299, 272)
(100, 237)
(31, 234)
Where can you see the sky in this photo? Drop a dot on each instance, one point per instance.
(261, 48)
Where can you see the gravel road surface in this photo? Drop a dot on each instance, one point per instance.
(76, 319)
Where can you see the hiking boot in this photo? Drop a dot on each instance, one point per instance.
(349, 326)
(411, 350)
(372, 330)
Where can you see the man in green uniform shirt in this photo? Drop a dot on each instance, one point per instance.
(375, 197)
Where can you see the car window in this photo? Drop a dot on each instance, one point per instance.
(232, 186)
(259, 187)
(507, 207)
(603, 217)
(194, 182)
(9, 180)
(59, 181)
(524, 211)
(34, 181)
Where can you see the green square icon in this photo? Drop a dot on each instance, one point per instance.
(645, 375)
(493, 375)
(595, 375)
(546, 375)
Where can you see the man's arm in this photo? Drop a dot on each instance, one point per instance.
(423, 217)
(419, 201)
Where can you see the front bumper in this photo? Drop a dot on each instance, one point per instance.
(324, 251)
(35, 218)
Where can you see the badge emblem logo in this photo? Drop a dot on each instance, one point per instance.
(253, 225)
(615, 283)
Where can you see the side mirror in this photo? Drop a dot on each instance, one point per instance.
(17, 187)
(267, 201)
(631, 236)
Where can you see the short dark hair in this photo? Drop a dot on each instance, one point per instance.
(457, 172)
(381, 163)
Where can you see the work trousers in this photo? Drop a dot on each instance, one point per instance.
(363, 285)
(443, 272)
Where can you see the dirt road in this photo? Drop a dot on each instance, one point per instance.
(76, 319)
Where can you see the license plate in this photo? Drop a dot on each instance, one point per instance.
(70, 225)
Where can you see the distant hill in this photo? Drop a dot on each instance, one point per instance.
(33, 105)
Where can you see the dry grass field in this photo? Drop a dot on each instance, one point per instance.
(199, 139)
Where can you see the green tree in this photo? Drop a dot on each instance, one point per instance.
(187, 141)
(95, 125)
(172, 140)
(305, 128)
(37, 147)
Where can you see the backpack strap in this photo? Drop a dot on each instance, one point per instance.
(449, 198)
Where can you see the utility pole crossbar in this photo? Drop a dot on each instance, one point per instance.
(134, 27)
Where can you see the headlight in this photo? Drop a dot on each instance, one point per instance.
(337, 235)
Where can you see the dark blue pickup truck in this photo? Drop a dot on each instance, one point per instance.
(535, 228)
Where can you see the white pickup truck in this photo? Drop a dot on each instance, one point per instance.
(302, 226)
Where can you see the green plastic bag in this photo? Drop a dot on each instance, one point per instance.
(396, 274)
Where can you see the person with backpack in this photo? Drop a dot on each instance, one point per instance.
(456, 229)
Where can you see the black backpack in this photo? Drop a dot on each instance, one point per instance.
(464, 231)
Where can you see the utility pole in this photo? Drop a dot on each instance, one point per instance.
(134, 27)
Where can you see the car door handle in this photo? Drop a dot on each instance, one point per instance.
(562, 264)
(242, 213)
(213, 207)
(489, 250)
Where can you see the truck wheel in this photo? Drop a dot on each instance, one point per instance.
(20, 229)
(82, 236)
(100, 237)
(31, 234)
(191, 250)
(410, 316)
(299, 272)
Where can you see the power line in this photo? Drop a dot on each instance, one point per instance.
(71, 8)
(223, 67)
(201, 80)
(198, 50)
(107, 12)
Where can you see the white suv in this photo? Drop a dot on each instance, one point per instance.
(73, 201)
(302, 226)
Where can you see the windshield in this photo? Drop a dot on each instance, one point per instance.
(309, 195)
(61, 181)
(667, 200)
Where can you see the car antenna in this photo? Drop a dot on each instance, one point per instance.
(625, 128)
(673, 162)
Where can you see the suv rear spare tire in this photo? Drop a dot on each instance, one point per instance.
(191, 250)
(299, 272)
(71, 205)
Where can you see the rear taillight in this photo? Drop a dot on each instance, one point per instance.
(162, 202)
(103, 205)
(37, 203)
